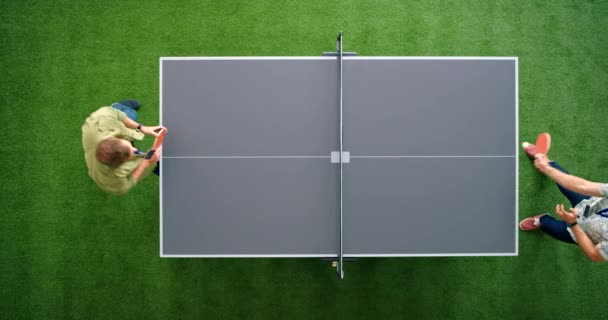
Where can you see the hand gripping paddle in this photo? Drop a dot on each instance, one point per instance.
(157, 143)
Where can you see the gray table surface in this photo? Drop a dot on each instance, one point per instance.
(246, 167)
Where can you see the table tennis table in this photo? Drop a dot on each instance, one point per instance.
(339, 156)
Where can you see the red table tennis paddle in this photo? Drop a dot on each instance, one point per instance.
(159, 140)
(157, 143)
(543, 143)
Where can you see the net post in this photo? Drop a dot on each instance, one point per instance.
(340, 268)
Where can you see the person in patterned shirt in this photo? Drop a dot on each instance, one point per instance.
(586, 222)
(112, 161)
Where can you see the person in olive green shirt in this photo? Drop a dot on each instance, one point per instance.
(112, 160)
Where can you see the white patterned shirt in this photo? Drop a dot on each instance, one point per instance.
(595, 225)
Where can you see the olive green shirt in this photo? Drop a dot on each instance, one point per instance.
(101, 124)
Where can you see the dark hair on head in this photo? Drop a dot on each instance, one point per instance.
(112, 152)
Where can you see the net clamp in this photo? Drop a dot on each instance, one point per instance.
(335, 157)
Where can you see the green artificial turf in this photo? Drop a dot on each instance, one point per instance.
(69, 250)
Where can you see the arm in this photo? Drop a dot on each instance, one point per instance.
(152, 131)
(137, 174)
(565, 180)
(582, 239)
(130, 123)
(586, 245)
